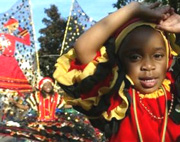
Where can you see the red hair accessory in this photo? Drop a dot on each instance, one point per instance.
(11, 21)
(124, 26)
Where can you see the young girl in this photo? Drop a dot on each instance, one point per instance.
(126, 87)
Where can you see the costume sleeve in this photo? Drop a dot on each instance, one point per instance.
(32, 101)
(91, 88)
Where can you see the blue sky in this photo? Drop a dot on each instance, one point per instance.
(96, 9)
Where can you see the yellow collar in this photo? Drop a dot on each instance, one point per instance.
(166, 83)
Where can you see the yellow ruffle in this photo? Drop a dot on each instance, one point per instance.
(88, 103)
(68, 78)
(120, 111)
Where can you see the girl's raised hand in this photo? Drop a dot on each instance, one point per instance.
(171, 24)
(154, 12)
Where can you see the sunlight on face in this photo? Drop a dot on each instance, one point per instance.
(143, 56)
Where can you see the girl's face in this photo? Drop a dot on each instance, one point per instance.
(47, 87)
(143, 54)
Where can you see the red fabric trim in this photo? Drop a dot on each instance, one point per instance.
(124, 26)
(8, 79)
(94, 90)
(115, 101)
(14, 86)
(170, 77)
(75, 64)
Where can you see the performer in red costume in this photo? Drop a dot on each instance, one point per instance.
(11, 76)
(50, 125)
(47, 100)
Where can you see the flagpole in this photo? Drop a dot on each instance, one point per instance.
(34, 36)
(65, 34)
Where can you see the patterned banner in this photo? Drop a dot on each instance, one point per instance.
(18, 58)
(78, 22)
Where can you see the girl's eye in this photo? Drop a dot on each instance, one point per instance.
(135, 57)
(158, 56)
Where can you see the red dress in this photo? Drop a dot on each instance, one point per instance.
(100, 93)
(151, 128)
(11, 76)
(46, 107)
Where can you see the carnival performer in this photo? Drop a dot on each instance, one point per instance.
(119, 74)
(47, 100)
(49, 123)
(43, 101)
(11, 75)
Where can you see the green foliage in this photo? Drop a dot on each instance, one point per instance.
(119, 4)
(50, 40)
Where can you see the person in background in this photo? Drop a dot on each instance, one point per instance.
(53, 120)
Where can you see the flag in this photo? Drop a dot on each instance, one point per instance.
(18, 56)
(78, 22)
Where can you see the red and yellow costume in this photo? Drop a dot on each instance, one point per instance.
(46, 107)
(53, 127)
(11, 76)
(104, 93)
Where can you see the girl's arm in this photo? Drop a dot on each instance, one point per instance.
(91, 41)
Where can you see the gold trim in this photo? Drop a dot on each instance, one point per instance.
(12, 79)
(136, 116)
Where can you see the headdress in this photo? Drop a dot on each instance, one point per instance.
(43, 81)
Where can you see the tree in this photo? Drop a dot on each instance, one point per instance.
(50, 40)
(174, 3)
(121, 3)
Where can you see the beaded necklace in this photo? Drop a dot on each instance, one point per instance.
(153, 115)
(165, 117)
